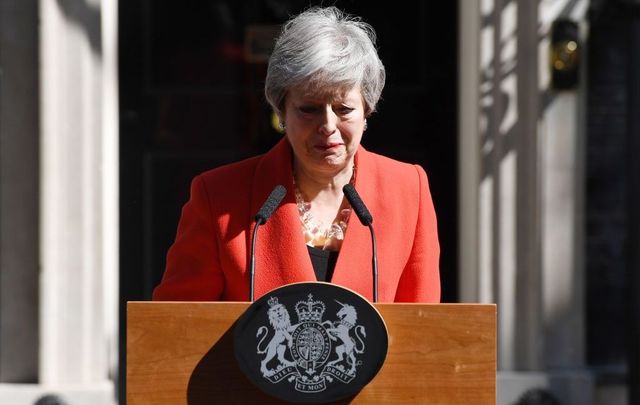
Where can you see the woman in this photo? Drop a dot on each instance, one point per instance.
(324, 79)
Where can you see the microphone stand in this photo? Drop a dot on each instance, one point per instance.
(374, 262)
(252, 262)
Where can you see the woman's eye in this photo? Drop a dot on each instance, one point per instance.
(307, 109)
(344, 110)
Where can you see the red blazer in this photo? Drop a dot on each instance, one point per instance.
(209, 259)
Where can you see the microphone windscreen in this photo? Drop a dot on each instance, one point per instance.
(357, 204)
(270, 205)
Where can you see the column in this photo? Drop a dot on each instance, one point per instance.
(78, 210)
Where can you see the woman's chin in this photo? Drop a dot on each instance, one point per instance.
(334, 164)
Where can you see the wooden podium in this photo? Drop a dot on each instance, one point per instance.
(182, 353)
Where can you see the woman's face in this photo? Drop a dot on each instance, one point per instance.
(324, 131)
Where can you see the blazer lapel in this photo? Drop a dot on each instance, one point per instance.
(281, 253)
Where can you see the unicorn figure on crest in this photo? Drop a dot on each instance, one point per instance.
(347, 317)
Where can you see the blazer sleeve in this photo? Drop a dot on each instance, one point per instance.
(420, 280)
(193, 272)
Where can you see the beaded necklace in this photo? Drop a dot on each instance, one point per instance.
(315, 235)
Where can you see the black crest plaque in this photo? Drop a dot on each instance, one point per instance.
(311, 342)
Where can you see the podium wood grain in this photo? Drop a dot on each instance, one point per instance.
(182, 353)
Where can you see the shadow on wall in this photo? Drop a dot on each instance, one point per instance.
(498, 101)
(87, 17)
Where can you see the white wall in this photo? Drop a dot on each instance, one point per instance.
(78, 219)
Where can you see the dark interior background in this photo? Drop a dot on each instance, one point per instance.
(191, 98)
(613, 194)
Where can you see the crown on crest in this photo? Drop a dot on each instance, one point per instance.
(310, 310)
(273, 301)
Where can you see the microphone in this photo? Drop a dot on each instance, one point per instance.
(367, 220)
(270, 205)
(358, 205)
(264, 213)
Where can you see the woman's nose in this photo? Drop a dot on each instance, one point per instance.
(329, 120)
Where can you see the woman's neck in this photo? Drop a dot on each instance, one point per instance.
(323, 185)
(322, 207)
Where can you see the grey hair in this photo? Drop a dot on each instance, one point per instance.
(325, 50)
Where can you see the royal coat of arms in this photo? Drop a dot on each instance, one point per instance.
(313, 351)
(310, 342)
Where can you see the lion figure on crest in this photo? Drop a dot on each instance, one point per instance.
(281, 323)
(347, 317)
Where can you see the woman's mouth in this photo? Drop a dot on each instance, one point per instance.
(328, 146)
